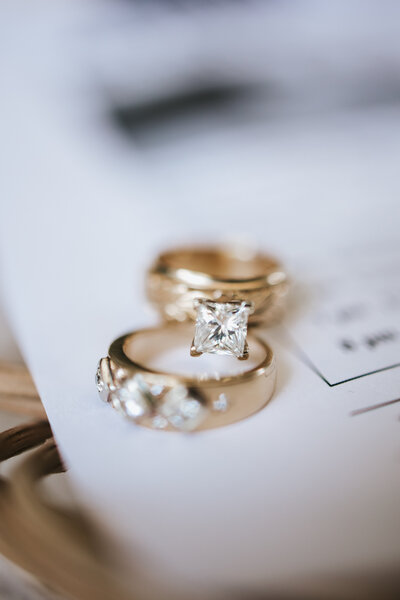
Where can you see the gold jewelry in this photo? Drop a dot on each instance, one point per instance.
(171, 401)
(222, 290)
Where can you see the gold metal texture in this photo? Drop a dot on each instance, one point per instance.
(178, 277)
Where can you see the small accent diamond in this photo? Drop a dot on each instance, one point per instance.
(136, 398)
(104, 379)
(115, 401)
(98, 379)
(136, 407)
(157, 389)
(159, 422)
(182, 410)
(221, 404)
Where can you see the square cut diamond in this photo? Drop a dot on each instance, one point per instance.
(221, 327)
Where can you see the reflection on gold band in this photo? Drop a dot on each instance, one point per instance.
(180, 276)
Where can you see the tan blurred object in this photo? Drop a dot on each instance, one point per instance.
(18, 393)
(58, 546)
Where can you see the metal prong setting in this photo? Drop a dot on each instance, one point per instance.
(196, 302)
(250, 306)
(200, 300)
(193, 351)
(245, 354)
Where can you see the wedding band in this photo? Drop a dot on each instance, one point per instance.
(157, 399)
(180, 276)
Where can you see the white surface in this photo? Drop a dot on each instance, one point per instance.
(350, 325)
(300, 490)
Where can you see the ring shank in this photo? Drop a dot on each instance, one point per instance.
(218, 263)
(180, 276)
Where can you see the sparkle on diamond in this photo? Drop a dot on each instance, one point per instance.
(183, 411)
(221, 327)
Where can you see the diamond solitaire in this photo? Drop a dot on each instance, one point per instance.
(221, 328)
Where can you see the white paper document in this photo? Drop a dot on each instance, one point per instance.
(308, 488)
(349, 328)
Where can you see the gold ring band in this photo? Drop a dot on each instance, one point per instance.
(179, 277)
(171, 401)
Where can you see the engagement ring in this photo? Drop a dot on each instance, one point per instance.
(222, 290)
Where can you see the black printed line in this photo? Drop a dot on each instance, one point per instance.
(360, 411)
(306, 359)
(365, 374)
